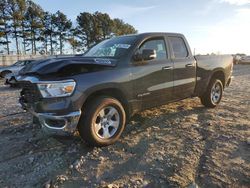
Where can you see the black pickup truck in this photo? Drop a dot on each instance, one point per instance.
(97, 92)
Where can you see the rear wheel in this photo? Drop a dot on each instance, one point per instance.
(102, 122)
(213, 95)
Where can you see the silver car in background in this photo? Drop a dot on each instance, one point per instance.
(15, 68)
(9, 73)
(245, 60)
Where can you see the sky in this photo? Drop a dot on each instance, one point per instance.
(210, 26)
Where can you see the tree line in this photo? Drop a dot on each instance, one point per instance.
(33, 30)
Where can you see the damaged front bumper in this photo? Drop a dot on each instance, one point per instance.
(60, 125)
(55, 115)
(52, 123)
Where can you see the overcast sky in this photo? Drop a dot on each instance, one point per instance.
(209, 25)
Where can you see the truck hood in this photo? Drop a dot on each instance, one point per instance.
(55, 65)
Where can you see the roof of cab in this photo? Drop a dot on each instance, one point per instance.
(154, 34)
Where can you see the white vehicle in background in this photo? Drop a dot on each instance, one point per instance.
(9, 73)
(15, 68)
(245, 60)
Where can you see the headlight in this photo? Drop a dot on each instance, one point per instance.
(57, 88)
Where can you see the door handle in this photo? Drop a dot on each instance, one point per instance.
(189, 65)
(167, 68)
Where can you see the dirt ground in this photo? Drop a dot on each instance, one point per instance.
(181, 144)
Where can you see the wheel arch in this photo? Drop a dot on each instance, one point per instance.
(219, 74)
(110, 92)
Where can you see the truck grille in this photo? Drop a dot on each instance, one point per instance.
(29, 93)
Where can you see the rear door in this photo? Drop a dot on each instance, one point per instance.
(184, 67)
(154, 79)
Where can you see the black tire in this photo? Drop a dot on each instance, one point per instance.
(4, 73)
(89, 121)
(35, 120)
(207, 99)
(13, 84)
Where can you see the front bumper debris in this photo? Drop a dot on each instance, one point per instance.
(59, 125)
(52, 123)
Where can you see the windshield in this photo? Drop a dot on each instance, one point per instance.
(116, 47)
(19, 63)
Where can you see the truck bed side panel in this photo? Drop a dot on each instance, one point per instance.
(207, 65)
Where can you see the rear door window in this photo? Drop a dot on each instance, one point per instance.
(179, 47)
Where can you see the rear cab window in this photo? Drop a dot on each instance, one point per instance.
(179, 47)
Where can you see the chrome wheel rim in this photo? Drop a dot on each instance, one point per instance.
(216, 93)
(106, 122)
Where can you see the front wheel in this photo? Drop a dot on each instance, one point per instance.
(102, 121)
(213, 95)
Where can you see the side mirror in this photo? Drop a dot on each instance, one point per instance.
(147, 54)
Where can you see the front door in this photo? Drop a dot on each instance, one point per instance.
(154, 79)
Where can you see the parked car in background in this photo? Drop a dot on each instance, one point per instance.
(245, 60)
(11, 72)
(15, 68)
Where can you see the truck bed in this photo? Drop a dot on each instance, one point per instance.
(207, 65)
